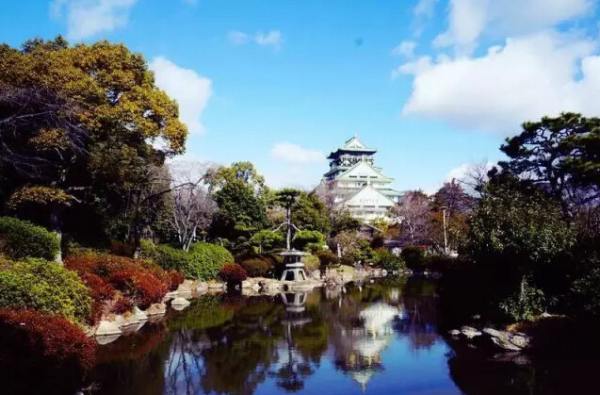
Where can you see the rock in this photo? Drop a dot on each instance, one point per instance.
(156, 309)
(505, 345)
(179, 303)
(201, 288)
(470, 332)
(507, 340)
(139, 314)
(454, 332)
(108, 328)
(520, 340)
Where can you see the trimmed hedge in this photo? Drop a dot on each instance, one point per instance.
(21, 239)
(47, 287)
(203, 261)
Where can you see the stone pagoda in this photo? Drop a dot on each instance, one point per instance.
(356, 184)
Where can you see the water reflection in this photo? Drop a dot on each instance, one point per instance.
(235, 345)
(373, 338)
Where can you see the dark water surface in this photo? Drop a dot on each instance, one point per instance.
(375, 338)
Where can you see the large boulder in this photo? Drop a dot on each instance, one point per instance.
(507, 340)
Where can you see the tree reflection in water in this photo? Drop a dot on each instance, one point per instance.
(373, 333)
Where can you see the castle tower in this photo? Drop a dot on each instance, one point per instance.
(355, 183)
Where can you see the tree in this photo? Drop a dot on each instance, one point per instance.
(310, 213)
(451, 208)
(308, 240)
(559, 155)
(413, 215)
(84, 118)
(192, 208)
(343, 221)
(240, 197)
(516, 222)
(267, 240)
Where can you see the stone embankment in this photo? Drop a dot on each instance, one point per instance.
(112, 326)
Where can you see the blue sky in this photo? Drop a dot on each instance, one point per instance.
(435, 85)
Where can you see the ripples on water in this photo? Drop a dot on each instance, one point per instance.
(375, 338)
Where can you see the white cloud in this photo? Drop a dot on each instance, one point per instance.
(466, 170)
(188, 88)
(272, 38)
(87, 18)
(238, 38)
(405, 48)
(293, 153)
(424, 8)
(526, 77)
(469, 19)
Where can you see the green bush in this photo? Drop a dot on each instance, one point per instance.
(308, 240)
(413, 256)
(20, 239)
(525, 304)
(203, 261)
(311, 262)
(208, 259)
(388, 261)
(45, 286)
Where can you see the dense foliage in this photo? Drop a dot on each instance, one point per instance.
(89, 115)
(49, 346)
(388, 261)
(202, 261)
(257, 266)
(44, 286)
(20, 239)
(309, 240)
(518, 224)
(141, 282)
(232, 273)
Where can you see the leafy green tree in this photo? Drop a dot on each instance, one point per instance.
(101, 112)
(239, 194)
(310, 213)
(560, 155)
(266, 240)
(308, 240)
(516, 222)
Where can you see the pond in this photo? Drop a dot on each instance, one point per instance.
(374, 338)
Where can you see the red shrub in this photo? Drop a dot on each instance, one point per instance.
(57, 351)
(122, 306)
(100, 291)
(175, 278)
(141, 281)
(232, 273)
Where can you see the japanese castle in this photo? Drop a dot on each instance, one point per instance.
(354, 183)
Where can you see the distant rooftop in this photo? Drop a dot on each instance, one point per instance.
(352, 145)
